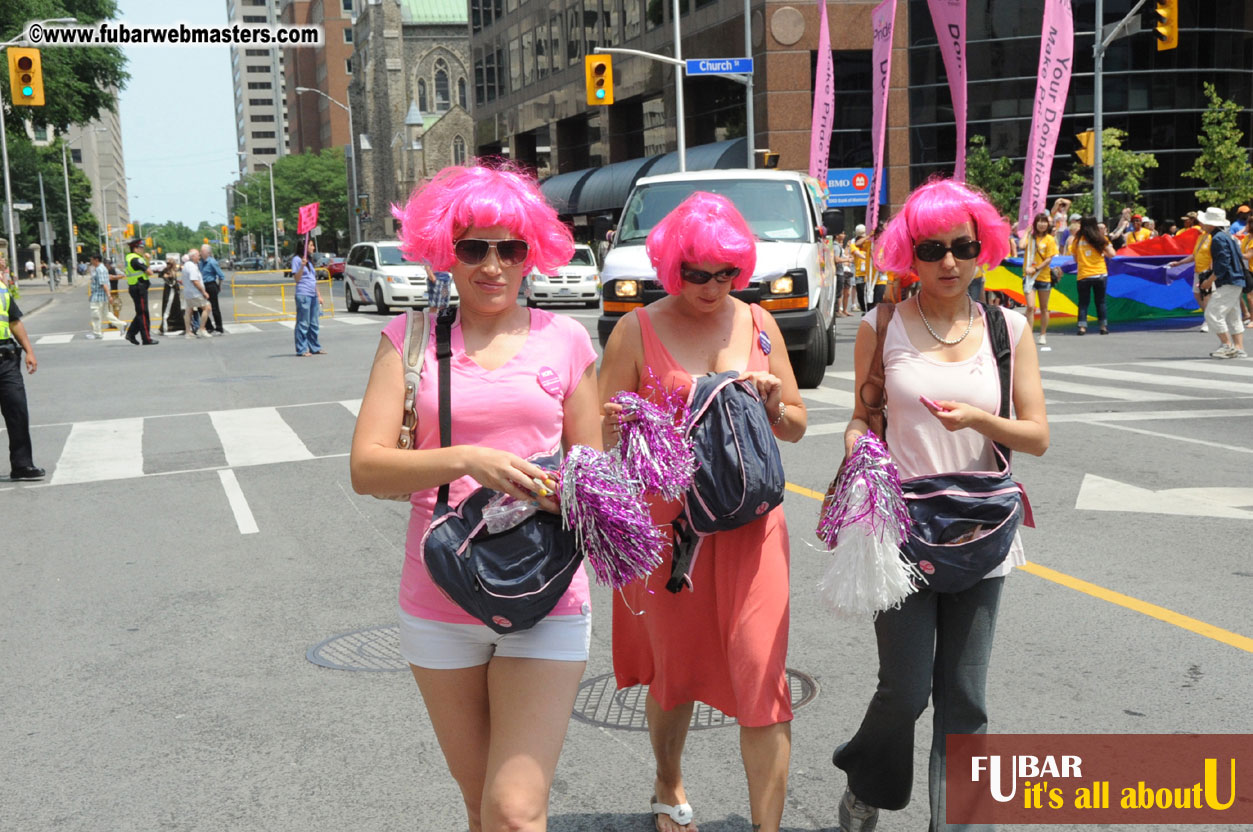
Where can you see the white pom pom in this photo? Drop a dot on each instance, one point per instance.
(867, 574)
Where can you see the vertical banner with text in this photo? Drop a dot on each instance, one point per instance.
(1057, 49)
(308, 218)
(949, 19)
(824, 101)
(883, 19)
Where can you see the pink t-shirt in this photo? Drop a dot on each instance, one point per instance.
(919, 443)
(517, 407)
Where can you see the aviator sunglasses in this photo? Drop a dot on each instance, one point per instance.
(473, 252)
(931, 251)
(700, 278)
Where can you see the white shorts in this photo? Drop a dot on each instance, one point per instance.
(439, 645)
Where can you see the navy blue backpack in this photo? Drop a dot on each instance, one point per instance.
(739, 473)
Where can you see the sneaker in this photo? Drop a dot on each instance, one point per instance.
(1205, 327)
(1239, 354)
(1046, 349)
(856, 816)
(189, 337)
(1225, 351)
(91, 336)
(1041, 340)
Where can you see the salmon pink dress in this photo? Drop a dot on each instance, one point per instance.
(724, 642)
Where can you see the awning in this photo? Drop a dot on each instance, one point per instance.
(605, 189)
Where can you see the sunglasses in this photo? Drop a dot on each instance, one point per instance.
(931, 251)
(473, 252)
(700, 278)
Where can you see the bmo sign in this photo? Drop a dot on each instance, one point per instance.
(851, 186)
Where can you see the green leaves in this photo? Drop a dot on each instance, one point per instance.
(1223, 165)
(1123, 171)
(998, 178)
(299, 180)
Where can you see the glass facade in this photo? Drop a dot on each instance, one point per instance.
(1156, 97)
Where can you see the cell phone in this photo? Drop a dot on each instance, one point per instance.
(930, 404)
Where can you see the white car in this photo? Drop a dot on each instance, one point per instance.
(577, 281)
(377, 273)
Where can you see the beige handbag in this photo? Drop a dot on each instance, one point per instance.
(417, 335)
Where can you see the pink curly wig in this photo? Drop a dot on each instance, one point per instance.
(705, 228)
(933, 208)
(459, 198)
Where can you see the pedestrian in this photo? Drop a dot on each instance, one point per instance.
(1137, 233)
(937, 645)
(1057, 216)
(308, 302)
(860, 266)
(1151, 226)
(214, 279)
(499, 704)
(171, 295)
(30, 269)
(844, 275)
(1037, 275)
(1188, 220)
(1226, 281)
(1202, 265)
(734, 625)
(1063, 236)
(195, 298)
(1246, 250)
(13, 343)
(1240, 223)
(99, 300)
(1169, 228)
(6, 276)
(137, 284)
(115, 299)
(1089, 246)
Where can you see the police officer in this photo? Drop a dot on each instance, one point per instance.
(137, 282)
(13, 342)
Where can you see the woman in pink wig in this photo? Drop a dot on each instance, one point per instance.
(725, 643)
(523, 381)
(937, 645)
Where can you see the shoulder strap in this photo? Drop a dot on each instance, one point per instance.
(875, 379)
(998, 335)
(443, 352)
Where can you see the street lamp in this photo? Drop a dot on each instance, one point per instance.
(107, 239)
(4, 142)
(69, 211)
(352, 147)
(273, 212)
(238, 192)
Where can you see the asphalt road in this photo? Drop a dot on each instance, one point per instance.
(197, 536)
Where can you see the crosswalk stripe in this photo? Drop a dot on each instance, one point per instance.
(353, 405)
(1214, 366)
(354, 321)
(1120, 393)
(288, 324)
(826, 395)
(104, 450)
(257, 436)
(55, 339)
(1190, 382)
(237, 328)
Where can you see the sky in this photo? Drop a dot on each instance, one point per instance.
(178, 118)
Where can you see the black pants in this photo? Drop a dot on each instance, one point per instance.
(861, 296)
(877, 296)
(139, 323)
(171, 308)
(214, 288)
(1092, 287)
(13, 405)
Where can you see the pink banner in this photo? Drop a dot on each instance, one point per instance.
(949, 19)
(1057, 48)
(883, 18)
(824, 102)
(308, 218)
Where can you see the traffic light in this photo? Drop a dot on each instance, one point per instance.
(26, 79)
(148, 242)
(76, 230)
(238, 225)
(599, 72)
(130, 229)
(225, 232)
(1087, 149)
(1167, 12)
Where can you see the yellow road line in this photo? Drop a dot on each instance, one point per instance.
(1143, 607)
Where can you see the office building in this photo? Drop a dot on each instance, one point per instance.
(260, 89)
(315, 123)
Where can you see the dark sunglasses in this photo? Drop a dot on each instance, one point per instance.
(700, 278)
(931, 251)
(473, 252)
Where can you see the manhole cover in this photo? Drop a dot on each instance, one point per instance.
(374, 649)
(599, 703)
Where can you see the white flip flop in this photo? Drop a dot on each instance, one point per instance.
(681, 814)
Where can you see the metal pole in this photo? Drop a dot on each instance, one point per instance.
(274, 215)
(356, 194)
(1098, 174)
(108, 238)
(69, 215)
(750, 129)
(14, 266)
(45, 235)
(679, 72)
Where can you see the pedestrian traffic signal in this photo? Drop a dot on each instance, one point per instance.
(1087, 149)
(599, 72)
(26, 80)
(1167, 12)
(75, 230)
(281, 230)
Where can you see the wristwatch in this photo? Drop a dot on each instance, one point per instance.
(779, 417)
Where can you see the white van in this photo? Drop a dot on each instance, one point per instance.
(795, 276)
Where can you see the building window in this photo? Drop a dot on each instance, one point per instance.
(554, 43)
(76, 156)
(458, 151)
(347, 34)
(528, 58)
(515, 65)
(256, 53)
(254, 18)
(260, 102)
(476, 16)
(265, 151)
(263, 134)
(480, 91)
(422, 95)
(259, 85)
(631, 18)
(346, 5)
(41, 134)
(574, 31)
(258, 68)
(461, 92)
(348, 65)
(443, 92)
(262, 118)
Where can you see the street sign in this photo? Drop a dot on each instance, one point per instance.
(719, 66)
(22, 206)
(851, 186)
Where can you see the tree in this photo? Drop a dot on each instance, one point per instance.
(26, 163)
(1123, 171)
(298, 180)
(1223, 165)
(998, 178)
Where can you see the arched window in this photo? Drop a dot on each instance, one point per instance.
(458, 151)
(422, 95)
(443, 92)
(461, 92)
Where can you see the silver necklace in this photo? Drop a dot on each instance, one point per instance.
(969, 324)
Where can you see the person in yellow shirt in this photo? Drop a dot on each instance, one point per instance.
(1246, 249)
(1138, 232)
(857, 248)
(1090, 247)
(1203, 267)
(1037, 273)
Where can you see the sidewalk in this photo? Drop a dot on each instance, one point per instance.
(35, 294)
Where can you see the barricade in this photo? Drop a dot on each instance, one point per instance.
(274, 300)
